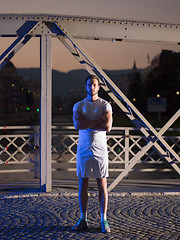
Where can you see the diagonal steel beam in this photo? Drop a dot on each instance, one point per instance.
(22, 32)
(13, 52)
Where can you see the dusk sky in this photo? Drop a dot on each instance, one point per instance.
(118, 55)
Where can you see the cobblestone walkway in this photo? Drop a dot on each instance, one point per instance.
(51, 216)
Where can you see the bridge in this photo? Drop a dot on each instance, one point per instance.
(68, 29)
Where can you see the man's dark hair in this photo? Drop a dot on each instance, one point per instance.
(92, 77)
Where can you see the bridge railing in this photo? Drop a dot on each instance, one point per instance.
(20, 145)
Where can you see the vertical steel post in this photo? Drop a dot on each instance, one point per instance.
(126, 147)
(36, 152)
(45, 114)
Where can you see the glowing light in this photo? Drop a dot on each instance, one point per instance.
(177, 93)
(158, 95)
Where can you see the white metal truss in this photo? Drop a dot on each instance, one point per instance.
(67, 29)
(97, 28)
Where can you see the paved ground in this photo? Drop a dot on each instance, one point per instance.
(33, 215)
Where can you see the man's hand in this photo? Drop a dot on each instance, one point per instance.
(106, 123)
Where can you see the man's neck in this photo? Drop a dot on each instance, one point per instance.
(92, 98)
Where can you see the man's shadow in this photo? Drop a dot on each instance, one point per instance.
(90, 229)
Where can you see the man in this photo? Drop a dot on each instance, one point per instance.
(93, 118)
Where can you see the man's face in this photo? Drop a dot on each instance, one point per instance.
(92, 87)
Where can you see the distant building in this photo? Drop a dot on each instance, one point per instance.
(158, 60)
(34, 89)
(162, 79)
(12, 90)
(133, 75)
(134, 87)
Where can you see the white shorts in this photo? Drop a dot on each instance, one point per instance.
(93, 157)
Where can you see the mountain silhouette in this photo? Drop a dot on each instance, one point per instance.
(62, 82)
